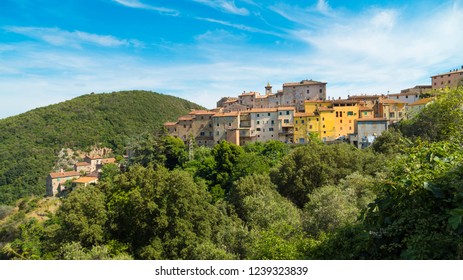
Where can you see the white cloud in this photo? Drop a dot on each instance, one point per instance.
(323, 6)
(239, 26)
(75, 39)
(227, 6)
(136, 4)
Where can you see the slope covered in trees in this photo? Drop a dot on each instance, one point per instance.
(401, 199)
(30, 142)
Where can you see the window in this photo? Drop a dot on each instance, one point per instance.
(337, 114)
(391, 115)
(323, 126)
(203, 134)
(257, 115)
(308, 91)
(258, 122)
(310, 126)
(317, 119)
(302, 121)
(286, 121)
(297, 129)
(400, 114)
(340, 121)
(324, 132)
(268, 114)
(321, 91)
(229, 124)
(365, 113)
(217, 124)
(270, 129)
(340, 114)
(406, 96)
(323, 119)
(273, 122)
(184, 126)
(280, 112)
(350, 127)
(258, 129)
(340, 128)
(287, 112)
(297, 122)
(350, 113)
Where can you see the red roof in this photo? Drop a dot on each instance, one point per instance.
(82, 163)
(64, 174)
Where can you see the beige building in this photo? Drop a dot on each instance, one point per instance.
(410, 95)
(295, 94)
(56, 181)
(225, 126)
(452, 78)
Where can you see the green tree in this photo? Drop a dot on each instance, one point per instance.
(82, 217)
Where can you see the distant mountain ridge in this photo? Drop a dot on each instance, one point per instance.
(30, 141)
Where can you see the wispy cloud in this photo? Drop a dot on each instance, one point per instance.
(136, 4)
(227, 6)
(239, 26)
(74, 39)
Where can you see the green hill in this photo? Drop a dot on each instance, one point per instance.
(29, 142)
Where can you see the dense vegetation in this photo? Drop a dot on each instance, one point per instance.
(401, 199)
(30, 142)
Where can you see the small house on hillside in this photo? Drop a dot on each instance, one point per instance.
(85, 181)
(83, 167)
(56, 181)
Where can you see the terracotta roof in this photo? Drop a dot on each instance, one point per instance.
(64, 174)
(301, 115)
(229, 114)
(318, 101)
(94, 157)
(261, 110)
(262, 96)
(343, 101)
(202, 112)
(108, 160)
(321, 108)
(374, 96)
(170, 123)
(451, 72)
(392, 101)
(83, 163)
(365, 109)
(289, 108)
(230, 101)
(303, 83)
(248, 93)
(185, 118)
(371, 119)
(85, 180)
(422, 101)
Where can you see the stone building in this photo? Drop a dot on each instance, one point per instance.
(450, 79)
(56, 181)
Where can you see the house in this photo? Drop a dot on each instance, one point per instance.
(415, 108)
(85, 181)
(366, 131)
(83, 167)
(453, 78)
(56, 181)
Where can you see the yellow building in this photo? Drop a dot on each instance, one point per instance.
(347, 112)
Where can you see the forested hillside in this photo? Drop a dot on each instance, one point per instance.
(400, 199)
(30, 142)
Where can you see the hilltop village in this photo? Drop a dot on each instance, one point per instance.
(300, 112)
(297, 113)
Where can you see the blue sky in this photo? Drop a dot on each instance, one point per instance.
(201, 50)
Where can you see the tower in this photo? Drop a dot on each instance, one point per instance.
(268, 89)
